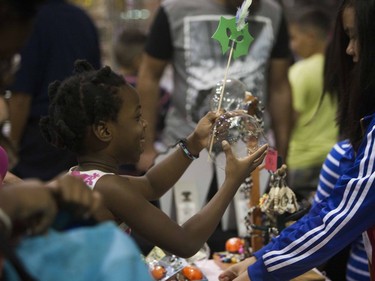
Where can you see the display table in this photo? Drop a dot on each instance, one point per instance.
(211, 270)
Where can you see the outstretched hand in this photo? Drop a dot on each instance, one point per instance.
(197, 141)
(238, 271)
(240, 168)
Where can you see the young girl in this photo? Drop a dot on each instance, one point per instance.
(348, 211)
(98, 116)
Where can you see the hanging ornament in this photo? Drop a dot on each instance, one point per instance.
(280, 199)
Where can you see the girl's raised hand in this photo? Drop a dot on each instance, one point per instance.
(203, 130)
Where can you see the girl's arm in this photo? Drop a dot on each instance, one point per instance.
(160, 178)
(128, 205)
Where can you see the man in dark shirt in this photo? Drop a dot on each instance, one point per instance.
(62, 34)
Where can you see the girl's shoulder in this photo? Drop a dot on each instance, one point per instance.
(111, 181)
(90, 177)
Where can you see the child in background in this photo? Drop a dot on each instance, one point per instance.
(315, 131)
(97, 115)
(128, 51)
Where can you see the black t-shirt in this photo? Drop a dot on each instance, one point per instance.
(159, 43)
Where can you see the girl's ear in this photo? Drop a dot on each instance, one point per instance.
(102, 131)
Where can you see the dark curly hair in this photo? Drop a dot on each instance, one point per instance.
(84, 99)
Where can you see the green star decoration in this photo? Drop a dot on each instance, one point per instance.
(227, 32)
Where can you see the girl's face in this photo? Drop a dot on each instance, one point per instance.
(129, 129)
(348, 22)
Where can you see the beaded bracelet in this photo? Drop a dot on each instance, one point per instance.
(4, 218)
(183, 146)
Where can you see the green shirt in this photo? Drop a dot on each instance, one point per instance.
(315, 131)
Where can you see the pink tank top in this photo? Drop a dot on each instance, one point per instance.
(90, 178)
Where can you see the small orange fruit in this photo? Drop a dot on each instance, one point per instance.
(158, 272)
(234, 244)
(192, 273)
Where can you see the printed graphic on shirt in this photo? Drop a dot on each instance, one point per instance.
(206, 64)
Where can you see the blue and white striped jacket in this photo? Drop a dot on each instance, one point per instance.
(330, 225)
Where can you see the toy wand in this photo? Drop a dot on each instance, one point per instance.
(239, 39)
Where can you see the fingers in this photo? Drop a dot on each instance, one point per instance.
(227, 149)
(237, 272)
(75, 195)
(227, 276)
(96, 203)
(260, 154)
(260, 151)
(41, 222)
(213, 115)
(257, 157)
(38, 216)
(72, 190)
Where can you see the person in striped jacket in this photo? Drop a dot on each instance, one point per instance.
(338, 159)
(338, 220)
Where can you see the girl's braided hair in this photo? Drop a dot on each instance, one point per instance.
(84, 99)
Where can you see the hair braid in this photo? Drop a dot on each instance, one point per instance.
(84, 99)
